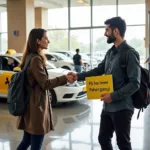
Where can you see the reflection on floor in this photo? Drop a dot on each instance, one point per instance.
(76, 128)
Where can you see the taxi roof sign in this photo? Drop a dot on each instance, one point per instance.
(11, 51)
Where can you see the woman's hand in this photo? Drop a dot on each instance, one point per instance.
(71, 77)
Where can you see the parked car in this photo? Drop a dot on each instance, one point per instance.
(93, 62)
(65, 93)
(60, 60)
(85, 59)
(68, 53)
(99, 55)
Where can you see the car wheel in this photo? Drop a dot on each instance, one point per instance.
(65, 67)
(54, 98)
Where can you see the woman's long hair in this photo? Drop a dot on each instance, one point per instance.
(32, 45)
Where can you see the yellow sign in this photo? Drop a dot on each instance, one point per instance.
(96, 86)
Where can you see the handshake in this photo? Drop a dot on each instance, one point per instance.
(71, 77)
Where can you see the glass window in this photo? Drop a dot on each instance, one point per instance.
(135, 37)
(133, 12)
(3, 32)
(3, 42)
(58, 40)
(100, 45)
(80, 13)
(80, 39)
(58, 15)
(49, 57)
(3, 22)
(9, 64)
(103, 10)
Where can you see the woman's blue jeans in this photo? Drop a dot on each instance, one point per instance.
(29, 139)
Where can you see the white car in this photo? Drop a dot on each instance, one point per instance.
(99, 55)
(60, 60)
(65, 93)
(85, 59)
(70, 54)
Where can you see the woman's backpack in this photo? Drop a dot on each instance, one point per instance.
(18, 96)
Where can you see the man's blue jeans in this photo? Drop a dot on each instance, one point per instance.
(29, 139)
(78, 68)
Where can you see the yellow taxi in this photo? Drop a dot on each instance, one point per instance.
(7, 64)
(66, 93)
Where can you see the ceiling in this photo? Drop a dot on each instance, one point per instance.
(64, 3)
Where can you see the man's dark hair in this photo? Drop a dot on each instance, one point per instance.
(117, 22)
(77, 50)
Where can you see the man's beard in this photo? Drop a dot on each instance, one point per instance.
(111, 39)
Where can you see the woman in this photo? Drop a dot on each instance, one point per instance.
(37, 119)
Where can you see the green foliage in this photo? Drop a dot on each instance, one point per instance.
(59, 41)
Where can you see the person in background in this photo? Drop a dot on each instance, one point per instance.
(77, 61)
(37, 119)
(118, 106)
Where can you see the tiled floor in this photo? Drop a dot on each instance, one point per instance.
(76, 128)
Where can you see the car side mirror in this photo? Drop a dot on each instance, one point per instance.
(17, 69)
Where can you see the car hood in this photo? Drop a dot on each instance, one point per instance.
(67, 60)
(57, 72)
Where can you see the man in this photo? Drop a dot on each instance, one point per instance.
(118, 106)
(77, 61)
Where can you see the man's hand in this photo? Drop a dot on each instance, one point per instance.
(106, 98)
(71, 77)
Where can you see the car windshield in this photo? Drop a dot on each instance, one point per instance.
(71, 54)
(49, 65)
(61, 57)
(68, 54)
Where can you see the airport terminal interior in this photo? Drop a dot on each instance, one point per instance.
(71, 24)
